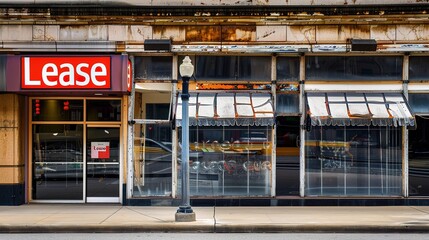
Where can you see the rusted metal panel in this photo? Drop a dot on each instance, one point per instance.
(203, 33)
(412, 32)
(175, 33)
(301, 34)
(238, 33)
(354, 31)
(270, 33)
(383, 32)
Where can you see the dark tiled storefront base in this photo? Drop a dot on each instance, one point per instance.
(12, 194)
(279, 202)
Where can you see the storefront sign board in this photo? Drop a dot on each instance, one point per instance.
(65, 72)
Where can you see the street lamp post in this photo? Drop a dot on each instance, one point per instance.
(185, 212)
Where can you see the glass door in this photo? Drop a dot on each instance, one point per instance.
(103, 164)
(57, 162)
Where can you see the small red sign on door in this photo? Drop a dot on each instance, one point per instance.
(100, 150)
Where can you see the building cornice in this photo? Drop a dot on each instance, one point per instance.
(77, 10)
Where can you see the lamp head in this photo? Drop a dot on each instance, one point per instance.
(186, 69)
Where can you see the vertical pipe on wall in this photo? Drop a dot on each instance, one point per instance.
(405, 163)
(174, 134)
(302, 124)
(130, 145)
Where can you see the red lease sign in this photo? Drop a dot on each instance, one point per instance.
(65, 72)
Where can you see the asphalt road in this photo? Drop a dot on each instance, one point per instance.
(213, 236)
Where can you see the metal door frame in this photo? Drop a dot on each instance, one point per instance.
(102, 199)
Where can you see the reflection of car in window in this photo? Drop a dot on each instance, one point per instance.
(157, 156)
(152, 146)
(364, 141)
(253, 137)
(419, 149)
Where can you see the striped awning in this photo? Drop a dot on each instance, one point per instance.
(359, 109)
(228, 109)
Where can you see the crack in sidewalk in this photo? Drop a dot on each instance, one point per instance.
(415, 208)
(214, 219)
(159, 219)
(110, 215)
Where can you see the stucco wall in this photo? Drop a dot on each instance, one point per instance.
(11, 139)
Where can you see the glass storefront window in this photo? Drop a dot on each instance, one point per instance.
(354, 68)
(153, 68)
(418, 70)
(287, 104)
(57, 159)
(287, 68)
(418, 155)
(59, 168)
(254, 68)
(419, 103)
(57, 110)
(103, 110)
(3, 61)
(229, 161)
(354, 161)
(227, 68)
(287, 156)
(153, 160)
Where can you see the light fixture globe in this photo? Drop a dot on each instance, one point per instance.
(186, 68)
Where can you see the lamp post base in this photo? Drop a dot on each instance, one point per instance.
(185, 214)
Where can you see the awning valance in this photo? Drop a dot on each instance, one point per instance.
(359, 109)
(228, 109)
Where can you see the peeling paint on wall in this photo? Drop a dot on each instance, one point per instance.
(129, 33)
(271, 33)
(412, 32)
(383, 32)
(354, 31)
(175, 33)
(238, 33)
(301, 33)
(203, 33)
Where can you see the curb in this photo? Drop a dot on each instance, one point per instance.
(106, 228)
(321, 229)
(221, 228)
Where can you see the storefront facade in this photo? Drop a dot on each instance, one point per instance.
(73, 114)
(287, 107)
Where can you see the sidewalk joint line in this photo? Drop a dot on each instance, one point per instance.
(418, 209)
(43, 219)
(117, 210)
(159, 219)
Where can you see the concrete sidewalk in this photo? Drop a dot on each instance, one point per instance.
(38, 218)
